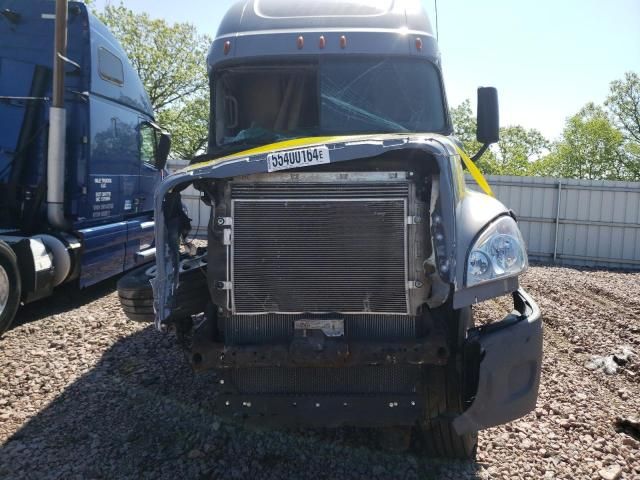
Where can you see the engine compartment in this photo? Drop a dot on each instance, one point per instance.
(350, 244)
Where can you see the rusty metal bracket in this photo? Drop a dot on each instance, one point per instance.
(312, 351)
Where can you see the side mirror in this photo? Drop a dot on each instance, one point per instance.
(488, 130)
(162, 152)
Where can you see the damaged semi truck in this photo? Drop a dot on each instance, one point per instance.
(344, 251)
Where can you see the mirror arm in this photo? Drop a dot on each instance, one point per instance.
(477, 156)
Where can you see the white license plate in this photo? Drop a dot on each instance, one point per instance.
(297, 158)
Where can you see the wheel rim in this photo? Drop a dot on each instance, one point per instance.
(4, 289)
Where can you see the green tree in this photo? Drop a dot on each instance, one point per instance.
(190, 126)
(624, 104)
(591, 148)
(548, 165)
(464, 126)
(171, 61)
(518, 149)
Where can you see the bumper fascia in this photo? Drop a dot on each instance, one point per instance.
(509, 368)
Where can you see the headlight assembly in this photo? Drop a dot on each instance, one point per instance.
(498, 252)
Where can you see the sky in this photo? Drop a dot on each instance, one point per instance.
(547, 58)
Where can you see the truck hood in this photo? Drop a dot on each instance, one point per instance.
(341, 147)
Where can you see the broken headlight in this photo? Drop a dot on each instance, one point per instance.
(498, 252)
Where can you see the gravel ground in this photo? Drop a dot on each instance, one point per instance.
(86, 394)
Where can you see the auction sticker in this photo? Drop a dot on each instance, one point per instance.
(297, 158)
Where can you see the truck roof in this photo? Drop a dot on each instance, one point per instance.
(257, 28)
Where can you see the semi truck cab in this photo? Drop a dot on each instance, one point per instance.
(344, 250)
(111, 156)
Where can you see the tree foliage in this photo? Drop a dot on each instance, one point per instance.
(624, 104)
(190, 126)
(464, 126)
(591, 148)
(518, 149)
(170, 59)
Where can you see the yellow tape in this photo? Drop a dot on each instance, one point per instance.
(475, 172)
(312, 141)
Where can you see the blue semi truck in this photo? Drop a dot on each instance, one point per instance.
(80, 153)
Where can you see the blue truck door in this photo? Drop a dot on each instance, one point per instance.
(114, 170)
(112, 182)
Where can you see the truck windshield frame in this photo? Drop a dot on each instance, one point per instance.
(262, 103)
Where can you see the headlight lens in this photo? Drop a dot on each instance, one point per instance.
(499, 252)
(479, 264)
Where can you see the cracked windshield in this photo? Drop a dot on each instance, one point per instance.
(332, 97)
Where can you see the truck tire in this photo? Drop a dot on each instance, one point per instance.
(446, 399)
(136, 294)
(10, 286)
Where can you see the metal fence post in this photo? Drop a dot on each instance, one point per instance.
(555, 238)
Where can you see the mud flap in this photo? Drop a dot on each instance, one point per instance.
(509, 370)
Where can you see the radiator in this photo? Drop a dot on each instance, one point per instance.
(319, 247)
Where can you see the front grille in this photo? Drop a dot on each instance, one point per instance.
(278, 327)
(322, 254)
(327, 380)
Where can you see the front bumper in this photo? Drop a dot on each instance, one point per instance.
(504, 356)
(509, 370)
(318, 351)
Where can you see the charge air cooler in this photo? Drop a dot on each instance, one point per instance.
(320, 243)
